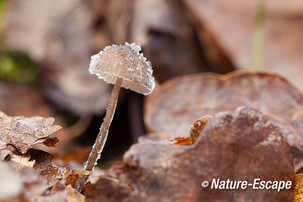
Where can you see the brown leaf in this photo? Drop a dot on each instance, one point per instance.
(180, 140)
(75, 175)
(298, 195)
(23, 133)
(60, 193)
(198, 127)
(41, 162)
(20, 161)
(54, 174)
(182, 100)
(108, 189)
(51, 141)
(242, 145)
(282, 33)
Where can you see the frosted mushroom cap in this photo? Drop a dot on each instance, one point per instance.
(126, 62)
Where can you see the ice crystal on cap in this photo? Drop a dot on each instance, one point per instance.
(126, 62)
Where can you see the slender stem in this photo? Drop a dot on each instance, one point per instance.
(96, 151)
(258, 37)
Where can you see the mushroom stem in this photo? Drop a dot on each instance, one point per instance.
(95, 153)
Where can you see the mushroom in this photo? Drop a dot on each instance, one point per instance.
(123, 66)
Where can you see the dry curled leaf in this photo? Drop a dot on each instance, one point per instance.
(23, 133)
(242, 145)
(182, 100)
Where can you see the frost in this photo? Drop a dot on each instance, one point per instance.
(272, 139)
(126, 62)
(135, 46)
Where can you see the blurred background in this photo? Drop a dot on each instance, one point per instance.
(45, 49)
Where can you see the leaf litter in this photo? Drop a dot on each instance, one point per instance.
(230, 147)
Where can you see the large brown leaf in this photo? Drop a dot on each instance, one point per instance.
(23, 133)
(229, 26)
(182, 100)
(242, 145)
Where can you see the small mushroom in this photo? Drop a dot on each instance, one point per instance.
(123, 66)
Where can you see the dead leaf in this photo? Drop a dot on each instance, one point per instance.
(23, 133)
(282, 41)
(180, 140)
(182, 100)
(298, 195)
(53, 174)
(75, 175)
(108, 189)
(198, 127)
(61, 193)
(21, 161)
(242, 145)
(43, 160)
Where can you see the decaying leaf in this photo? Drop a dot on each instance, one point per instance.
(282, 33)
(54, 174)
(22, 160)
(40, 161)
(298, 195)
(182, 100)
(242, 145)
(43, 160)
(23, 133)
(60, 192)
(112, 190)
(75, 175)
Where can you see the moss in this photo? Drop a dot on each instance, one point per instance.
(17, 68)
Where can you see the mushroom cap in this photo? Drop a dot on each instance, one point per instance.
(126, 62)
